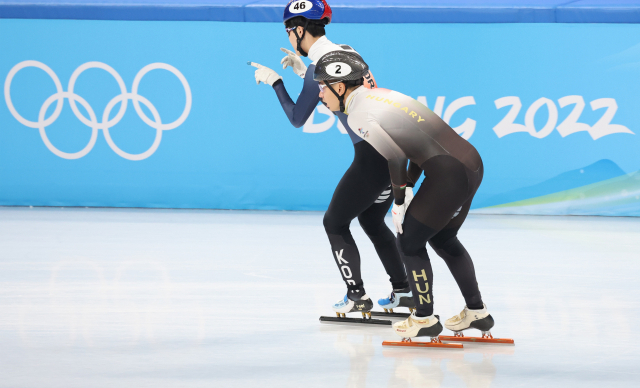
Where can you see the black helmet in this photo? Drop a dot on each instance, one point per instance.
(340, 66)
(337, 66)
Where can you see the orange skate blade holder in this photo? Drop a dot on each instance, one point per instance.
(435, 343)
(486, 338)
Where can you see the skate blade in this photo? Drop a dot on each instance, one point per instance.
(368, 321)
(477, 339)
(390, 315)
(419, 344)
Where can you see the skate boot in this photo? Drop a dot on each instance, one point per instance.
(472, 319)
(420, 327)
(398, 298)
(346, 305)
(362, 305)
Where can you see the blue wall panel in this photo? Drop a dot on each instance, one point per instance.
(345, 11)
(236, 149)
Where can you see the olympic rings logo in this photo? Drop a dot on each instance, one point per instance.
(92, 121)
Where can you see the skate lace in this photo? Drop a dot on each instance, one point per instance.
(409, 322)
(459, 317)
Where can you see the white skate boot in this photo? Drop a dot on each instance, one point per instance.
(418, 326)
(473, 319)
(470, 319)
(346, 305)
(362, 305)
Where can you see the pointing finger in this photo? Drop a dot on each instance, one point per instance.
(257, 65)
(288, 52)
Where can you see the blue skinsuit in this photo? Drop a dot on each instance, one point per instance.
(299, 112)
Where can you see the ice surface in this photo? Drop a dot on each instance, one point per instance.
(175, 298)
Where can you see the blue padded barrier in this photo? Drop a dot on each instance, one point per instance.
(423, 11)
(346, 11)
(194, 10)
(599, 11)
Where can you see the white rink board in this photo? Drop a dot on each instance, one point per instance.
(167, 298)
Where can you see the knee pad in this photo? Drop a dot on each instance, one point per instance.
(447, 244)
(413, 242)
(335, 225)
(409, 246)
(338, 241)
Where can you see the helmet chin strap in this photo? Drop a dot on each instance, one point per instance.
(340, 98)
(299, 38)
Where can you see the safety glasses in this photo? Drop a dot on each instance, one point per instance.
(324, 86)
(289, 29)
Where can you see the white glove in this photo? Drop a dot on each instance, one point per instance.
(408, 196)
(397, 214)
(295, 62)
(264, 74)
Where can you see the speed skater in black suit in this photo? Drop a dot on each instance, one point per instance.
(364, 192)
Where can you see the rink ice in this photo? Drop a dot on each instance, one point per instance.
(196, 298)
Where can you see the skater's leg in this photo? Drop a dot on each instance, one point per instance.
(448, 247)
(347, 258)
(412, 246)
(441, 194)
(360, 187)
(451, 250)
(384, 241)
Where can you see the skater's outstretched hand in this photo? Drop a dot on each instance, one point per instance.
(397, 214)
(264, 74)
(294, 61)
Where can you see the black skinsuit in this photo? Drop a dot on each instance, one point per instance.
(402, 129)
(364, 192)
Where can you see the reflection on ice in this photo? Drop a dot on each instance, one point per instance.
(135, 300)
(130, 298)
(414, 367)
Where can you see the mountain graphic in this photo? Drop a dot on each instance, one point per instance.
(597, 172)
(618, 196)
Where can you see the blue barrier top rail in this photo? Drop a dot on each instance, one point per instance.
(345, 11)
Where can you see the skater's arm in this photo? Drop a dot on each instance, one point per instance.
(398, 174)
(299, 112)
(374, 134)
(413, 174)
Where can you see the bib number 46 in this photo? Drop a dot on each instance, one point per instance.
(300, 6)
